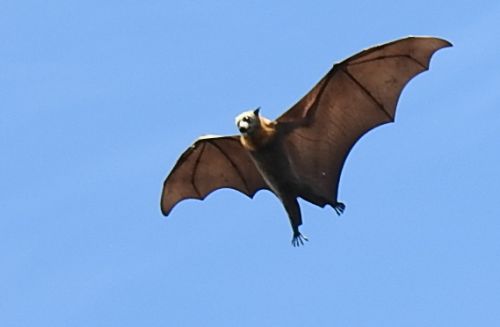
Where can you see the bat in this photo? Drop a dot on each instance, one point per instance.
(302, 152)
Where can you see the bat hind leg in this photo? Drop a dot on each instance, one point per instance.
(293, 209)
(339, 208)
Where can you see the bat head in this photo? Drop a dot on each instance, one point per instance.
(248, 121)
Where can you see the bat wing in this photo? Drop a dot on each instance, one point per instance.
(356, 95)
(211, 163)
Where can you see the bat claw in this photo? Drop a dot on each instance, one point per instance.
(339, 208)
(298, 239)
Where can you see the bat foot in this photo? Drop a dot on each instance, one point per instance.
(298, 239)
(339, 208)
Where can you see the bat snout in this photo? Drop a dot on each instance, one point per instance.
(243, 127)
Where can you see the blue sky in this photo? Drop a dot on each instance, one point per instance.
(98, 100)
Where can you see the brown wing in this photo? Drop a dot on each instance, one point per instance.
(355, 96)
(211, 163)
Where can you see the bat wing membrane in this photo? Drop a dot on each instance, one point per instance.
(355, 96)
(211, 163)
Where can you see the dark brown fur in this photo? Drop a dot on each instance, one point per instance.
(270, 157)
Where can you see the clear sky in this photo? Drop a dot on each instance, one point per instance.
(99, 98)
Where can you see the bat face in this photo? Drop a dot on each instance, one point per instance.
(248, 121)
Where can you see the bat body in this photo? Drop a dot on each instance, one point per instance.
(267, 151)
(264, 141)
(302, 153)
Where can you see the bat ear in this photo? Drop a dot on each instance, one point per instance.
(256, 112)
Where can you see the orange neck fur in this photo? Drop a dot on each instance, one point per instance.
(262, 135)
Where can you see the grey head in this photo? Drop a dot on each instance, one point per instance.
(248, 121)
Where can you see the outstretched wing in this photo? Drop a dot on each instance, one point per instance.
(211, 163)
(356, 95)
